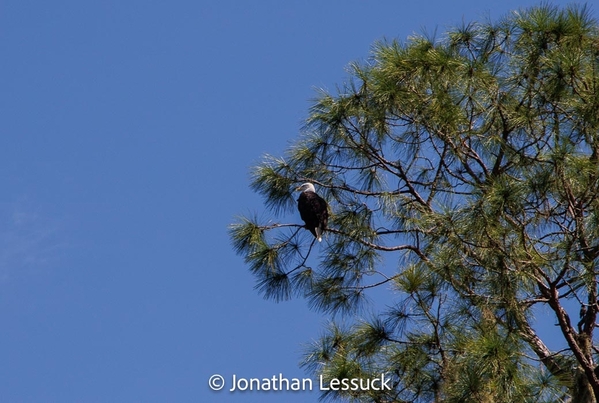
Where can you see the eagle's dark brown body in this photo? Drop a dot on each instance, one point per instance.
(313, 210)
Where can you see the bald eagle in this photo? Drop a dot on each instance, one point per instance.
(313, 210)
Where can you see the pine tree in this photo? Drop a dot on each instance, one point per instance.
(462, 175)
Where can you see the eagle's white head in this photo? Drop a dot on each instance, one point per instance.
(306, 187)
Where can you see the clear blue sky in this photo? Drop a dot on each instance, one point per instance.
(127, 130)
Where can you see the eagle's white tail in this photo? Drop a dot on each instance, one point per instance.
(318, 234)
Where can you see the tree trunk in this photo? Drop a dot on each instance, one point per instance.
(581, 391)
